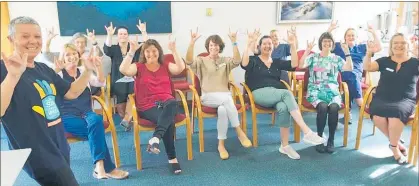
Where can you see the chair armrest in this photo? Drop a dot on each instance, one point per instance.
(300, 93)
(184, 103)
(287, 85)
(191, 75)
(250, 94)
(236, 92)
(106, 111)
(135, 117)
(197, 99)
(346, 94)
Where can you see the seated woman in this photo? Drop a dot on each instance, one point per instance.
(395, 98)
(213, 72)
(263, 78)
(357, 51)
(154, 93)
(78, 116)
(323, 87)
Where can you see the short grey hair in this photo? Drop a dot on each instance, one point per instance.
(20, 20)
(79, 35)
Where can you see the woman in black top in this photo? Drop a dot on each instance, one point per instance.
(117, 53)
(395, 98)
(263, 78)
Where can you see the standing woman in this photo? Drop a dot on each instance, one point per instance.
(357, 51)
(117, 53)
(323, 87)
(213, 72)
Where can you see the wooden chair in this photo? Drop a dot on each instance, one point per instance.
(146, 125)
(305, 106)
(366, 82)
(413, 121)
(109, 127)
(180, 82)
(298, 74)
(257, 109)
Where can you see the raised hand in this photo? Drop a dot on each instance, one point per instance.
(91, 35)
(292, 38)
(110, 30)
(310, 45)
(333, 25)
(251, 38)
(370, 29)
(142, 26)
(134, 45)
(89, 62)
(232, 35)
(195, 36)
(344, 47)
(371, 47)
(15, 64)
(172, 43)
(59, 63)
(51, 34)
(256, 34)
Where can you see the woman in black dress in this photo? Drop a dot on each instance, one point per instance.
(117, 53)
(395, 98)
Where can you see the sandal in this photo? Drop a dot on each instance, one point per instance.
(123, 176)
(175, 168)
(403, 151)
(95, 175)
(402, 159)
(153, 148)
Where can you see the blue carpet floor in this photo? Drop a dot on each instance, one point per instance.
(373, 164)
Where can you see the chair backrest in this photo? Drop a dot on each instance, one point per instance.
(300, 54)
(203, 54)
(171, 59)
(307, 76)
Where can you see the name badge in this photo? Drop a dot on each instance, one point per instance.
(389, 69)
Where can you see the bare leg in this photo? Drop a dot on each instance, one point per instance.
(296, 114)
(285, 133)
(383, 125)
(395, 131)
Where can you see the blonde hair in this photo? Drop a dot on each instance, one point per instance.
(73, 47)
(390, 52)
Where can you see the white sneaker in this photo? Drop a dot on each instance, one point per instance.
(313, 138)
(289, 151)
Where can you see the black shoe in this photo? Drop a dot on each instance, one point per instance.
(320, 148)
(330, 148)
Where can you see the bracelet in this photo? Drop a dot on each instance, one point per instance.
(235, 44)
(94, 44)
(347, 55)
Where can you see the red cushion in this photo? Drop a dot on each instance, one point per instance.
(365, 86)
(146, 123)
(308, 105)
(299, 77)
(210, 110)
(181, 85)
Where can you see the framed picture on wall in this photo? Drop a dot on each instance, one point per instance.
(301, 11)
(78, 15)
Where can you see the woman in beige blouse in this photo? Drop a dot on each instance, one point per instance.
(213, 72)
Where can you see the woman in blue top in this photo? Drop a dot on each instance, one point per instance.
(357, 51)
(78, 116)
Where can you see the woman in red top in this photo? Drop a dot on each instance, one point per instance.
(154, 93)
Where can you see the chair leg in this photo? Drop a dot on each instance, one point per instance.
(115, 149)
(244, 122)
(189, 139)
(412, 144)
(193, 116)
(201, 134)
(273, 119)
(359, 130)
(346, 128)
(254, 129)
(137, 144)
(415, 157)
(297, 133)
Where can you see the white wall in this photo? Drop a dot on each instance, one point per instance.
(237, 15)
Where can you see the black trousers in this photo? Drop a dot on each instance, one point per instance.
(330, 112)
(164, 116)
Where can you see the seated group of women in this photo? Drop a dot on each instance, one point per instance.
(390, 107)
